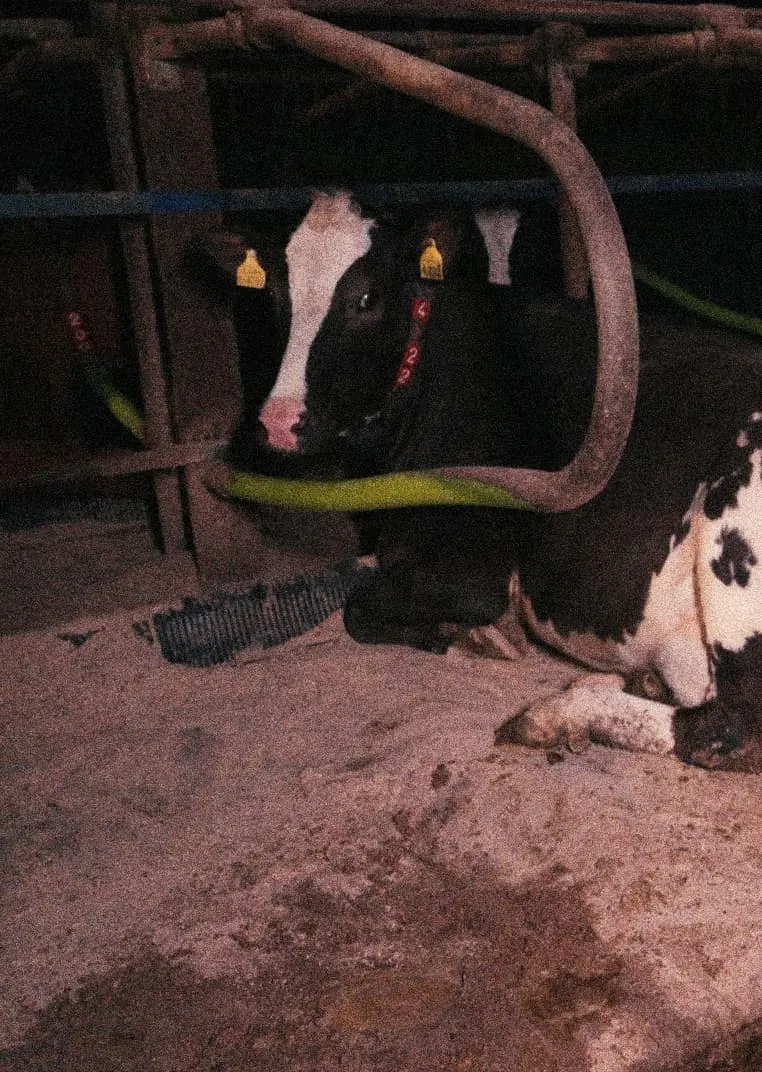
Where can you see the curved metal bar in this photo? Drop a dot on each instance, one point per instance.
(513, 116)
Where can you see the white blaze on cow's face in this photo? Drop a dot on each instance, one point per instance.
(332, 236)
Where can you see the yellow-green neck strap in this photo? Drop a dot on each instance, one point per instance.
(389, 491)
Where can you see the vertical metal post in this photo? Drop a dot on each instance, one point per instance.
(175, 139)
(563, 104)
(158, 426)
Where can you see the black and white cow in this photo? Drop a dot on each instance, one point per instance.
(658, 580)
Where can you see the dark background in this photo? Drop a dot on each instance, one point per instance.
(644, 119)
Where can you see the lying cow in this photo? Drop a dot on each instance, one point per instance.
(656, 580)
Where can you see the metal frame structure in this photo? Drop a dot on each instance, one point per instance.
(144, 48)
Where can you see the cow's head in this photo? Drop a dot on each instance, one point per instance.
(352, 282)
(341, 289)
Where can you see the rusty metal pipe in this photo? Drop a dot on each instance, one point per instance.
(611, 276)
(723, 44)
(563, 104)
(730, 48)
(582, 12)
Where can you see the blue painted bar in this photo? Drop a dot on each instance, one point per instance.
(177, 202)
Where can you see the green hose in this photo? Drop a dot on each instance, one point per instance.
(118, 404)
(707, 310)
(123, 410)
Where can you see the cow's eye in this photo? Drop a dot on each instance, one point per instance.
(366, 302)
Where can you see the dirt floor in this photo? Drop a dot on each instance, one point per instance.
(315, 857)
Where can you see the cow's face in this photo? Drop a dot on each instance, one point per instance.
(351, 281)
(336, 279)
(356, 352)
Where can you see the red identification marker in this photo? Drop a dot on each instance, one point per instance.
(410, 359)
(419, 314)
(80, 336)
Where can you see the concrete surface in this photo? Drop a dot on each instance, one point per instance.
(316, 858)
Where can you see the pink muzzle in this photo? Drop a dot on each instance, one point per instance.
(279, 417)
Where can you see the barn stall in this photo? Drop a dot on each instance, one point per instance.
(312, 854)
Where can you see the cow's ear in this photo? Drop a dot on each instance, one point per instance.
(446, 245)
(215, 254)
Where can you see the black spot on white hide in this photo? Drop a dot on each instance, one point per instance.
(736, 559)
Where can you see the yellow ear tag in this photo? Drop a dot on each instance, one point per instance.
(430, 264)
(250, 272)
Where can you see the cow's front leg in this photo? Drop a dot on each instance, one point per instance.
(372, 616)
(421, 608)
(593, 709)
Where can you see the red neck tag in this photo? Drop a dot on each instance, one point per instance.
(419, 315)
